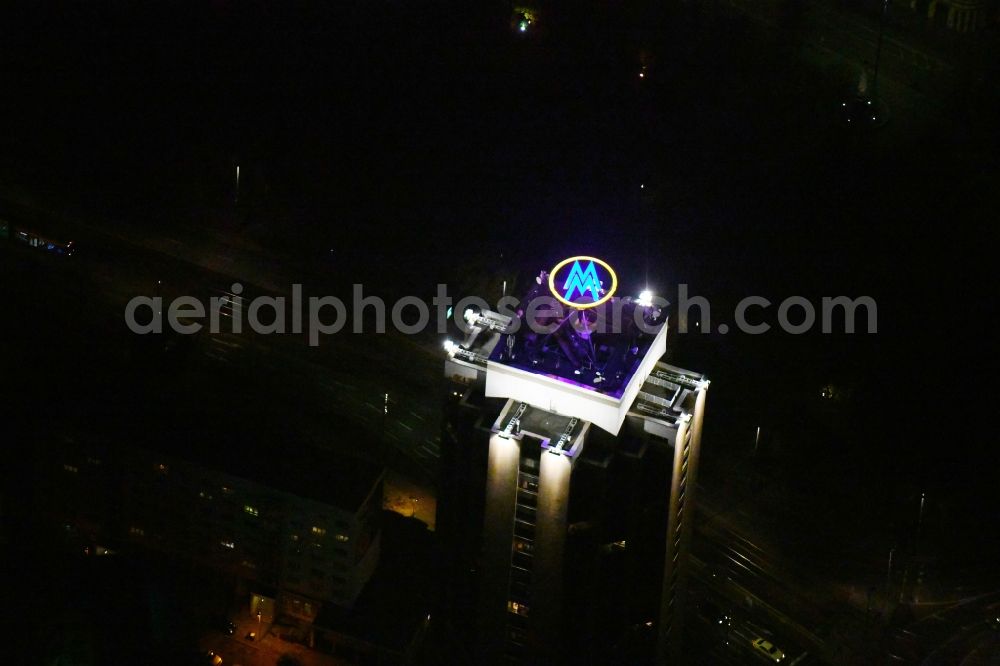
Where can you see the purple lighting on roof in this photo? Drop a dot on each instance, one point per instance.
(595, 347)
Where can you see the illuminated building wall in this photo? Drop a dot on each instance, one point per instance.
(581, 530)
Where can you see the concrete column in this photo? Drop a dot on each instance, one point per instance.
(498, 534)
(687, 527)
(672, 555)
(550, 541)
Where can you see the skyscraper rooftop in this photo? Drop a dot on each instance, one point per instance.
(588, 361)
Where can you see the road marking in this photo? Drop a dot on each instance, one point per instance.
(340, 384)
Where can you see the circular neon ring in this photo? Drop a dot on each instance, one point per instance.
(579, 306)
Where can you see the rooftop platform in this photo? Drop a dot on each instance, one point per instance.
(588, 363)
(329, 477)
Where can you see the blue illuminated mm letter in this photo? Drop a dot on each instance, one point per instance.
(581, 281)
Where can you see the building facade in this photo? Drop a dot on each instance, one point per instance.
(570, 456)
(293, 536)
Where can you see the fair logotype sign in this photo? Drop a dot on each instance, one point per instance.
(582, 282)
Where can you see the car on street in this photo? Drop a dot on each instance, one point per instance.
(768, 649)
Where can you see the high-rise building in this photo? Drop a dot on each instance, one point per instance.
(570, 452)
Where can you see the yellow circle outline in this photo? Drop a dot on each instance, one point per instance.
(603, 299)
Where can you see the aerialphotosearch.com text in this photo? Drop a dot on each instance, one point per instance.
(319, 316)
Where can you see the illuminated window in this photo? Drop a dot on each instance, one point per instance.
(318, 531)
(252, 510)
(295, 537)
(71, 468)
(342, 537)
(137, 531)
(515, 607)
(227, 544)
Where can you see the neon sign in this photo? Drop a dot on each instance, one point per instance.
(576, 282)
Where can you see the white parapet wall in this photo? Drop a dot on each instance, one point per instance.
(562, 397)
